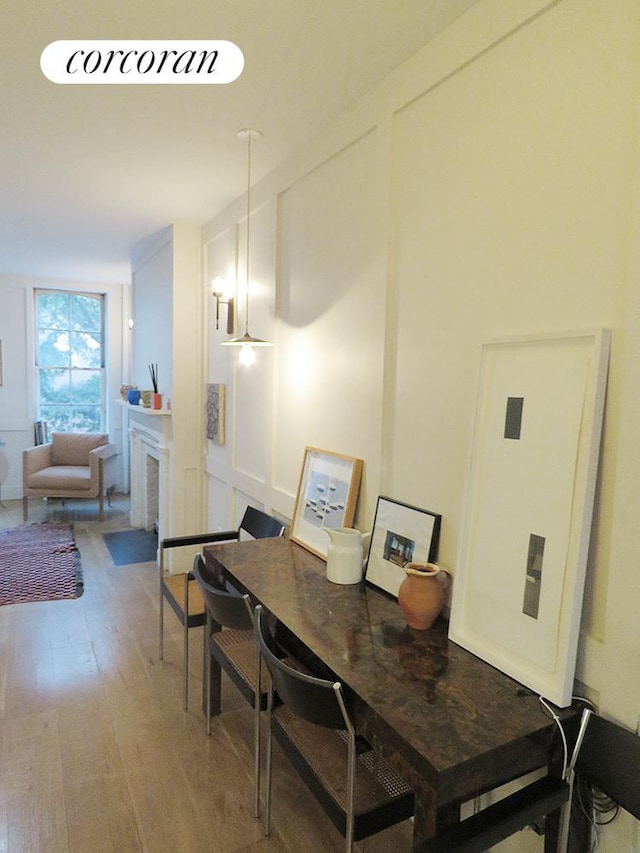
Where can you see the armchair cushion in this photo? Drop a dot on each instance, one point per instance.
(66, 478)
(74, 448)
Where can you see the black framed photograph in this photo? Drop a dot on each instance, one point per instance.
(327, 496)
(401, 534)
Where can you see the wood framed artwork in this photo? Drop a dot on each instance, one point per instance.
(401, 534)
(216, 413)
(327, 497)
(517, 594)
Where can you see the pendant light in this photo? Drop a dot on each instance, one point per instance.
(247, 341)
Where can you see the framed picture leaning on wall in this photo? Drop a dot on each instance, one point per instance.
(401, 534)
(327, 497)
(517, 593)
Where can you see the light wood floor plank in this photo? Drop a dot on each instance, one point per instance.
(32, 783)
(96, 753)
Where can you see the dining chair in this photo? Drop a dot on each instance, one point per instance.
(605, 757)
(180, 588)
(529, 806)
(229, 640)
(354, 784)
(605, 763)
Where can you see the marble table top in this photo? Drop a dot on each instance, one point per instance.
(456, 714)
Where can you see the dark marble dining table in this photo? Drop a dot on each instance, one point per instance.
(451, 724)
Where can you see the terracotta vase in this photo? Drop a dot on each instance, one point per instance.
(421, 594)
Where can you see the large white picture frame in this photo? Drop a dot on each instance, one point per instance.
(517, 594)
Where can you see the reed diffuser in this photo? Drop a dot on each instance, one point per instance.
(157, 398)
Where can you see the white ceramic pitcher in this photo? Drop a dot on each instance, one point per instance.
(345, 555)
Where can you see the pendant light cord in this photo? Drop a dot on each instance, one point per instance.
(246, 312)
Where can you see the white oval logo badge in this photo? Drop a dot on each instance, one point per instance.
(142, 62)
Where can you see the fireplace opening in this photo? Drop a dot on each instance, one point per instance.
(152, 493)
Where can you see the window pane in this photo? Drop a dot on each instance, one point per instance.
(55, 386)
(53, 349)
(58, 418)
(53, 310)
(86, 419)
(85, 386)
(72, 418)
(86, 350)
(86, 313)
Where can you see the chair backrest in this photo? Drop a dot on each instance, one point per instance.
(227, 608)
(608, 756)
(314, 699)
(259, 525)
(73, 448)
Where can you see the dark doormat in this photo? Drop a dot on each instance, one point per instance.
(132, 546)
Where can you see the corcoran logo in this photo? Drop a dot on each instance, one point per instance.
(142, 62)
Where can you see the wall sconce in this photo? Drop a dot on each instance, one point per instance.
(222, 298)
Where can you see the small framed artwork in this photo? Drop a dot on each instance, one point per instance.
(327, 497)
(215, 413)
(517, 596)
(401, 534)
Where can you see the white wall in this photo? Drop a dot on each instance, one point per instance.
(489, 188)
(152, 311)
(17, 395)
(168, 331)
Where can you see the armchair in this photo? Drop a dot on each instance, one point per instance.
(74, 465)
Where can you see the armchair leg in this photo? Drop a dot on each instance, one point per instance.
(25, 508)
(101, 506)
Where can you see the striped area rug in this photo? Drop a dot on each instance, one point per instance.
(39, 562)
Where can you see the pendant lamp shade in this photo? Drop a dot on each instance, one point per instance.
(247, 340)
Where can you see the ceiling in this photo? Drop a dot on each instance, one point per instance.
(87, 171)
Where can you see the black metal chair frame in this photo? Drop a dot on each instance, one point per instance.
(307, 699)
(605, 754)
(229, 639)
(177, 588)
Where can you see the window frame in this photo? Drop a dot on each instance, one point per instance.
(102, 369)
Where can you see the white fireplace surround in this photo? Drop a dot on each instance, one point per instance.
(150, 458)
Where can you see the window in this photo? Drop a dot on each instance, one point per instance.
(70, 360)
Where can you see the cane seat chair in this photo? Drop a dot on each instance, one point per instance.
(605, 762)
(359, 791)
(229, 640)
(605, 757)
(181, 590)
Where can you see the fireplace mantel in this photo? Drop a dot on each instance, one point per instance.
(150, 442)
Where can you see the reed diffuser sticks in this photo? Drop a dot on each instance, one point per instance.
(153, 370)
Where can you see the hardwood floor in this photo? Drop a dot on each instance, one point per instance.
(96, 754)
